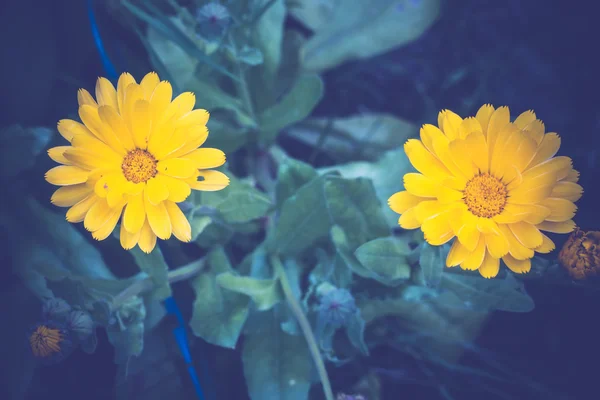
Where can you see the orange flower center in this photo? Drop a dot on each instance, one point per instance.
(45, 341)
(139, 166)
(485, 195)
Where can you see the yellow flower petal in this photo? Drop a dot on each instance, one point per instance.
(212, 181)
(177, 168)
(497, 245)
(429, 134)
(517, 266)
(156, 190)
(178, 189)
(135, 214)
(477, 147)
(109, 225)
(475, 258)
(147, 239)
(124, 81)
(450, 122)
(160, 99)
(408, 220)
(503, 142)
(180, 106)
(113, 121)
(129, 240)
(85, 98)
(90, 117)
(206, 158)
(535, 130)
(547, 148)
(69, 128)
(67, 196)
(92, 145)
(420, 185)
(525, 119)
(78, 211)
(437, 229)
(149, 83)
(468, 126)
(425, 162)
(88, 159)
(567, 190)
(490, 266)
(498, 121)
(141, 123)
(461, 156)
(97, 215)
(517, 250)
(557, 227)
(538, 214)
(158, 218)
(65, 175)
(560, 209)
(572, 176)
(522, 151)
(527, 234)
(547, 245)
(57, 154)
(467, 233)
(197, 117)
(483, 116)
(180, 225)
(106, 93)
(458, 253)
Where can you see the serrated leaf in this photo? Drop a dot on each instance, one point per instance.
(265, 293)
(295, 106)
(386, 258)
(218, 315)
(277, 366)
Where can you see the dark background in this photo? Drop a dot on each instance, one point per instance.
(525, 54)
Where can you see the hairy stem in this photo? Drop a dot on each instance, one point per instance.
(304, 325)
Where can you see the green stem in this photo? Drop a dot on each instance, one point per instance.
(144, 285)
(242, 84)
(304, 325)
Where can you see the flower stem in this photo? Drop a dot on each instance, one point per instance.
(304, 325)
(182, 273)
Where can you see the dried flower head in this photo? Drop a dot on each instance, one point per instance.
(55, 309)
(336, 307)
(213, 20)
(580, 255)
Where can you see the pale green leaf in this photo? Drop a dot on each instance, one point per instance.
(265, 293)
(157, 269)
(386, 258)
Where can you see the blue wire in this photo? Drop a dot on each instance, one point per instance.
(170, 304)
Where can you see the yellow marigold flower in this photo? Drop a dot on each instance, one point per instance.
(580, 255)
(491, 183)
(135, 154)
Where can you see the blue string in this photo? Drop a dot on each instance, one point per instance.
(170, 304)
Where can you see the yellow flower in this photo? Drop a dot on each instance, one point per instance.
(491, 183)
(135, 154)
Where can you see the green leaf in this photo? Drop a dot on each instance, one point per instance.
(432, 262)
(295, 106)
(127, 334)
(277, 366)
(304, 219)
(157, 269)
(265, 293)
(353, 206)
(225, 136)
(323, 202)
(365, 136)
(386, 175)
(386, 258)
(478, 293)
(365, 30)
(218, 315)
(291, 175)
(247, 55)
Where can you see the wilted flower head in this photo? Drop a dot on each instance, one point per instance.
(213, 19)
(336, 307)
(81, 323)
(55, 309)
(49, 342)
(580, 255)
